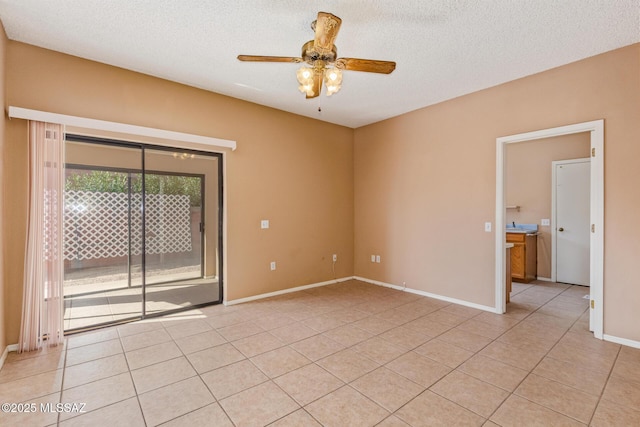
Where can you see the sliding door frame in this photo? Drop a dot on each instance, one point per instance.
(220, 216)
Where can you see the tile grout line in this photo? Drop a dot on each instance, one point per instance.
(352, 323)
(110, 376)
(406, 352)
(476, 353)
(456, 368)
(64, 370)
(605, 384)
(315, 363)
(199, 375)
(369, 299)
(135, 389)
(537, 364)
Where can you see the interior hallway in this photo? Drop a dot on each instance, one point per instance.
(344, 354)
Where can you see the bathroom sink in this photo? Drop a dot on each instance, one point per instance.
(523, 228)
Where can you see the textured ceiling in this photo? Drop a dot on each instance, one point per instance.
(443, 48)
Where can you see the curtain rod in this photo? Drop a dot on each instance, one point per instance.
(83, 122)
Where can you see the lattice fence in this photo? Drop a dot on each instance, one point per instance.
(96, 224)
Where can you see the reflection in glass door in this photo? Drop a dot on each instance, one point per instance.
(102, 246)
(141, 231)
(181, 229)
(173, 226)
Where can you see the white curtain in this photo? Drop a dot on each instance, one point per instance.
(43, 303)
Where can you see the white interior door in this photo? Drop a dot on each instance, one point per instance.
(572, 221)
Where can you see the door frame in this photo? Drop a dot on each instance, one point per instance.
(596, 269)
(221, 242)
(554, 232)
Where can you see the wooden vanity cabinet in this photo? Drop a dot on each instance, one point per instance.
(524, 256)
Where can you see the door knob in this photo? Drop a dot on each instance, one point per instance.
(560, 229)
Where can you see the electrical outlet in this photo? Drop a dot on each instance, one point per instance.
(273, 265)
(546, 222)
(264, 223)
(378, 259)
(487, 227)
(373, 258)
(335, 257)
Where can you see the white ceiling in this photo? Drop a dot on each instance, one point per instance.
(443, 48)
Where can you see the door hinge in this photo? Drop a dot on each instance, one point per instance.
(593, 303)
(593, 152)
(202, 227)
(593, 228)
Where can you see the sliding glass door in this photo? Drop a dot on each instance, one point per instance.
(181, 229)
(141, 231)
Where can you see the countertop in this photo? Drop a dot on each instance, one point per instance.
(522, 228)
(521, 231)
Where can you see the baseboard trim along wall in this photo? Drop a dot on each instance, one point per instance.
(611, 338)
(375, 282)
(623, 341)
(544, 279)
(363, 279)
(5, 353)
(286, 291)
(4, 356)
(430, 295)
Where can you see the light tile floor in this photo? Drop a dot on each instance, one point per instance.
(341, 355)
(115, 301)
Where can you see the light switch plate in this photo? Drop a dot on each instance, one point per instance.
(373, 258)
(487, 227)
(546, 222)
(378, 259)
(273, 265)
(264, 223)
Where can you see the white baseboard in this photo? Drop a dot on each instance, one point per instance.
(430, 295)
(286, 291)
(375, 282)
(623, 341)
(363, 279)
(5, 353)
(4, 356)
(544, 279)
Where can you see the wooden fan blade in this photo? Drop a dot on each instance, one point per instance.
(368, 65)
(258, 58)
(327, 27)
(317, 84)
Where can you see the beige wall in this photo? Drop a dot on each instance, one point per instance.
(3, 241)
(528, 184)
(425, 182)
(294, 171)
(418, 187)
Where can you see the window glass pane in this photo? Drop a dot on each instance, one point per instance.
(102, 234)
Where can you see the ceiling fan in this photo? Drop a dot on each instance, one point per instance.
(321, 54)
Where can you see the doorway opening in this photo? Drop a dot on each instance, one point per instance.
(596, 213)
(142, 232)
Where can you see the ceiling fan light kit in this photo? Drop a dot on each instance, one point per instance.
(307, 77)
(332, 80)
(321, 54)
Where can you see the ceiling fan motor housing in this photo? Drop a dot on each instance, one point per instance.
(310, 55)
